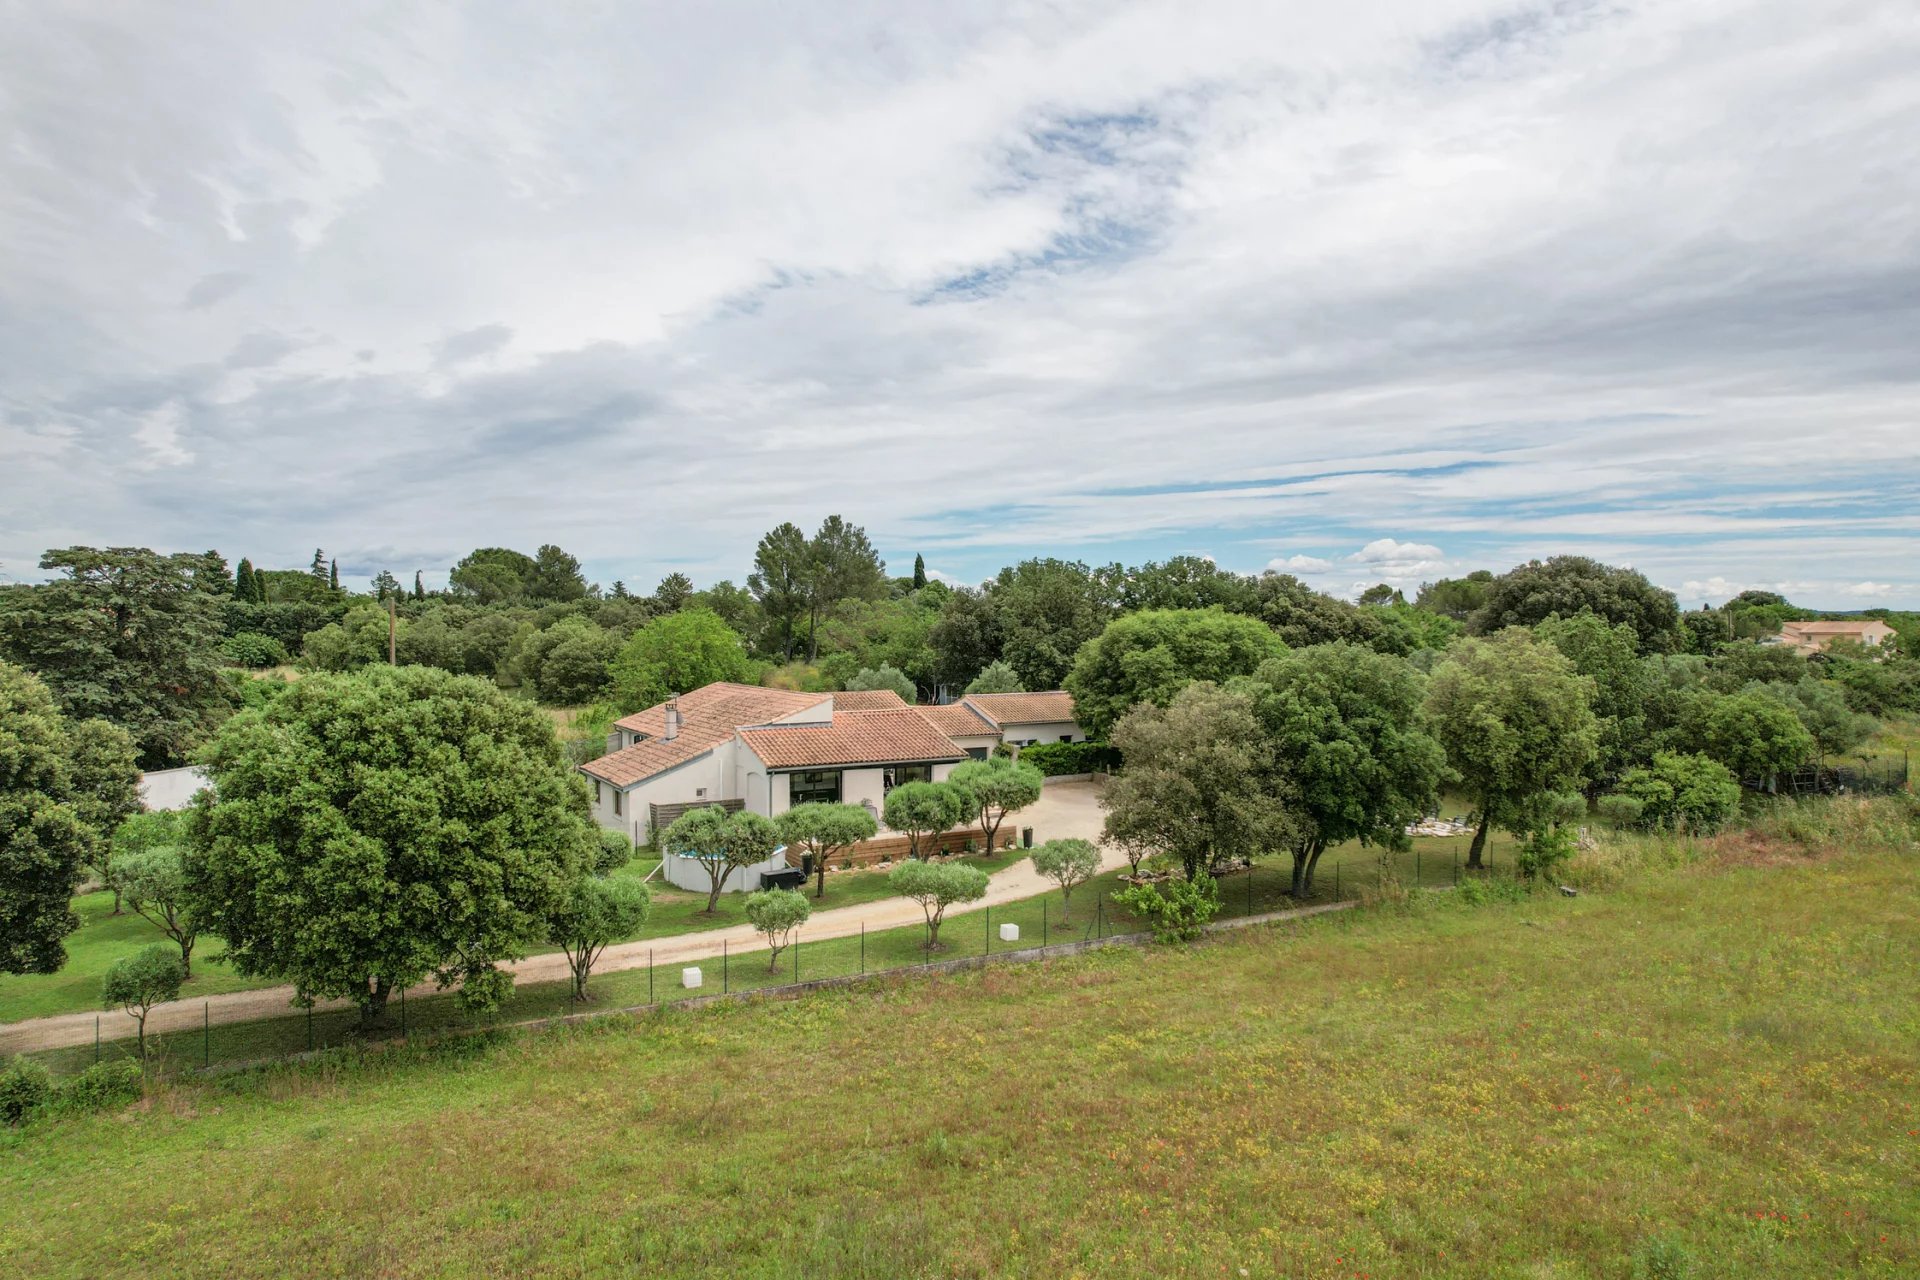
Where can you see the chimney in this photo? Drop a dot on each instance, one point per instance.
(673, 718)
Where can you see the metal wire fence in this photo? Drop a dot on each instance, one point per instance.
(1042, 925)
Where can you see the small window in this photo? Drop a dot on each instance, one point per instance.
(977, 753)
(898, 775)
(596, 791)
(616, 804)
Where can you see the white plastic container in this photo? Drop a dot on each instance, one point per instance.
(690, 976)
(1009, 933)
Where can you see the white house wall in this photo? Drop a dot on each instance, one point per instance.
(1052, 731)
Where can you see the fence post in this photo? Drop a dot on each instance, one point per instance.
(1336, 882)
(863, 948)
(723, 966)
(96, 1037)
(309, 1026)
(988, 913)
(206, 1033)
(650, 999)
(1043, 924)
(1416, 866)
(1249, 886)
(1099, 917)
(403, 1013)
(796, 958)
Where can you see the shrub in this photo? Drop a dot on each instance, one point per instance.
(253, 649)
(1661, 1258)
(1683, 792)
(1177, 910)
(1620, 811)
(1479, 891)
(1544, 850)
(883, 677)
(614, 853)
(102, 1086)
(25, 1087)
(1063, 759)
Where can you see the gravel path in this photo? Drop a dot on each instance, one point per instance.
(1067, 809)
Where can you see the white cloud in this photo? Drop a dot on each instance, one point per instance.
(1289, 276)
(1300, 564)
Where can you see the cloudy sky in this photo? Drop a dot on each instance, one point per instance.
(1363, 291)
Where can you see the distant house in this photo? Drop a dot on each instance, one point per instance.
(766, 750)
(1812, 637)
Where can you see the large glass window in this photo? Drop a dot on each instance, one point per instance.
(899, 774)
(815, 786)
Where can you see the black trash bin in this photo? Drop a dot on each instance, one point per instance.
(1026, 837)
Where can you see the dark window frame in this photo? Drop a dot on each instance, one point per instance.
(815, 792)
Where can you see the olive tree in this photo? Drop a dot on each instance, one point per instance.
(721, 843)
(823, 830)
(937, 886)
(1197, 784)
(999, 786)
(923, 810)
(1517, 723)
(592, 915)
(154, 884)
(140, 981)
(777, 914)
(366, 831)
(1069, 863)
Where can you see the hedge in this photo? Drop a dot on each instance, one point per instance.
(1060, 759)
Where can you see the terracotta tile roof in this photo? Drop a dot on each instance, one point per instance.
(1023, 708)
(958, 720)
(854, 738)
(709, 716)
(1837, 627)
(868, 700)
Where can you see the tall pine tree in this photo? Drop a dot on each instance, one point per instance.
(919, 572)
(419, 591)
(318, 569)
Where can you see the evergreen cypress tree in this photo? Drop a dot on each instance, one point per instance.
(245, 589)
(419, 592)
(333, 575)
(919, 572)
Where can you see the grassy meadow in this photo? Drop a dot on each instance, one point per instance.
(1701, 1069)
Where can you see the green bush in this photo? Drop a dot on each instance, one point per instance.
(253, 649)
(103, 1086)
(1478, 891)
(1062, 759)
(1661, 1258)
(25, 1087)
(614, 853)
(1177, 910)
(1620, 811)
(1683, 792)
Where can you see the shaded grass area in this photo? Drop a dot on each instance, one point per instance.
(1090, 913)
(1716, 1065)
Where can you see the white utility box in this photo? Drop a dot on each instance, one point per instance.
(690, 976)
(1009, 933)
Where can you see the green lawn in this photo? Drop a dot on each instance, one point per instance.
(1717, 1066)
